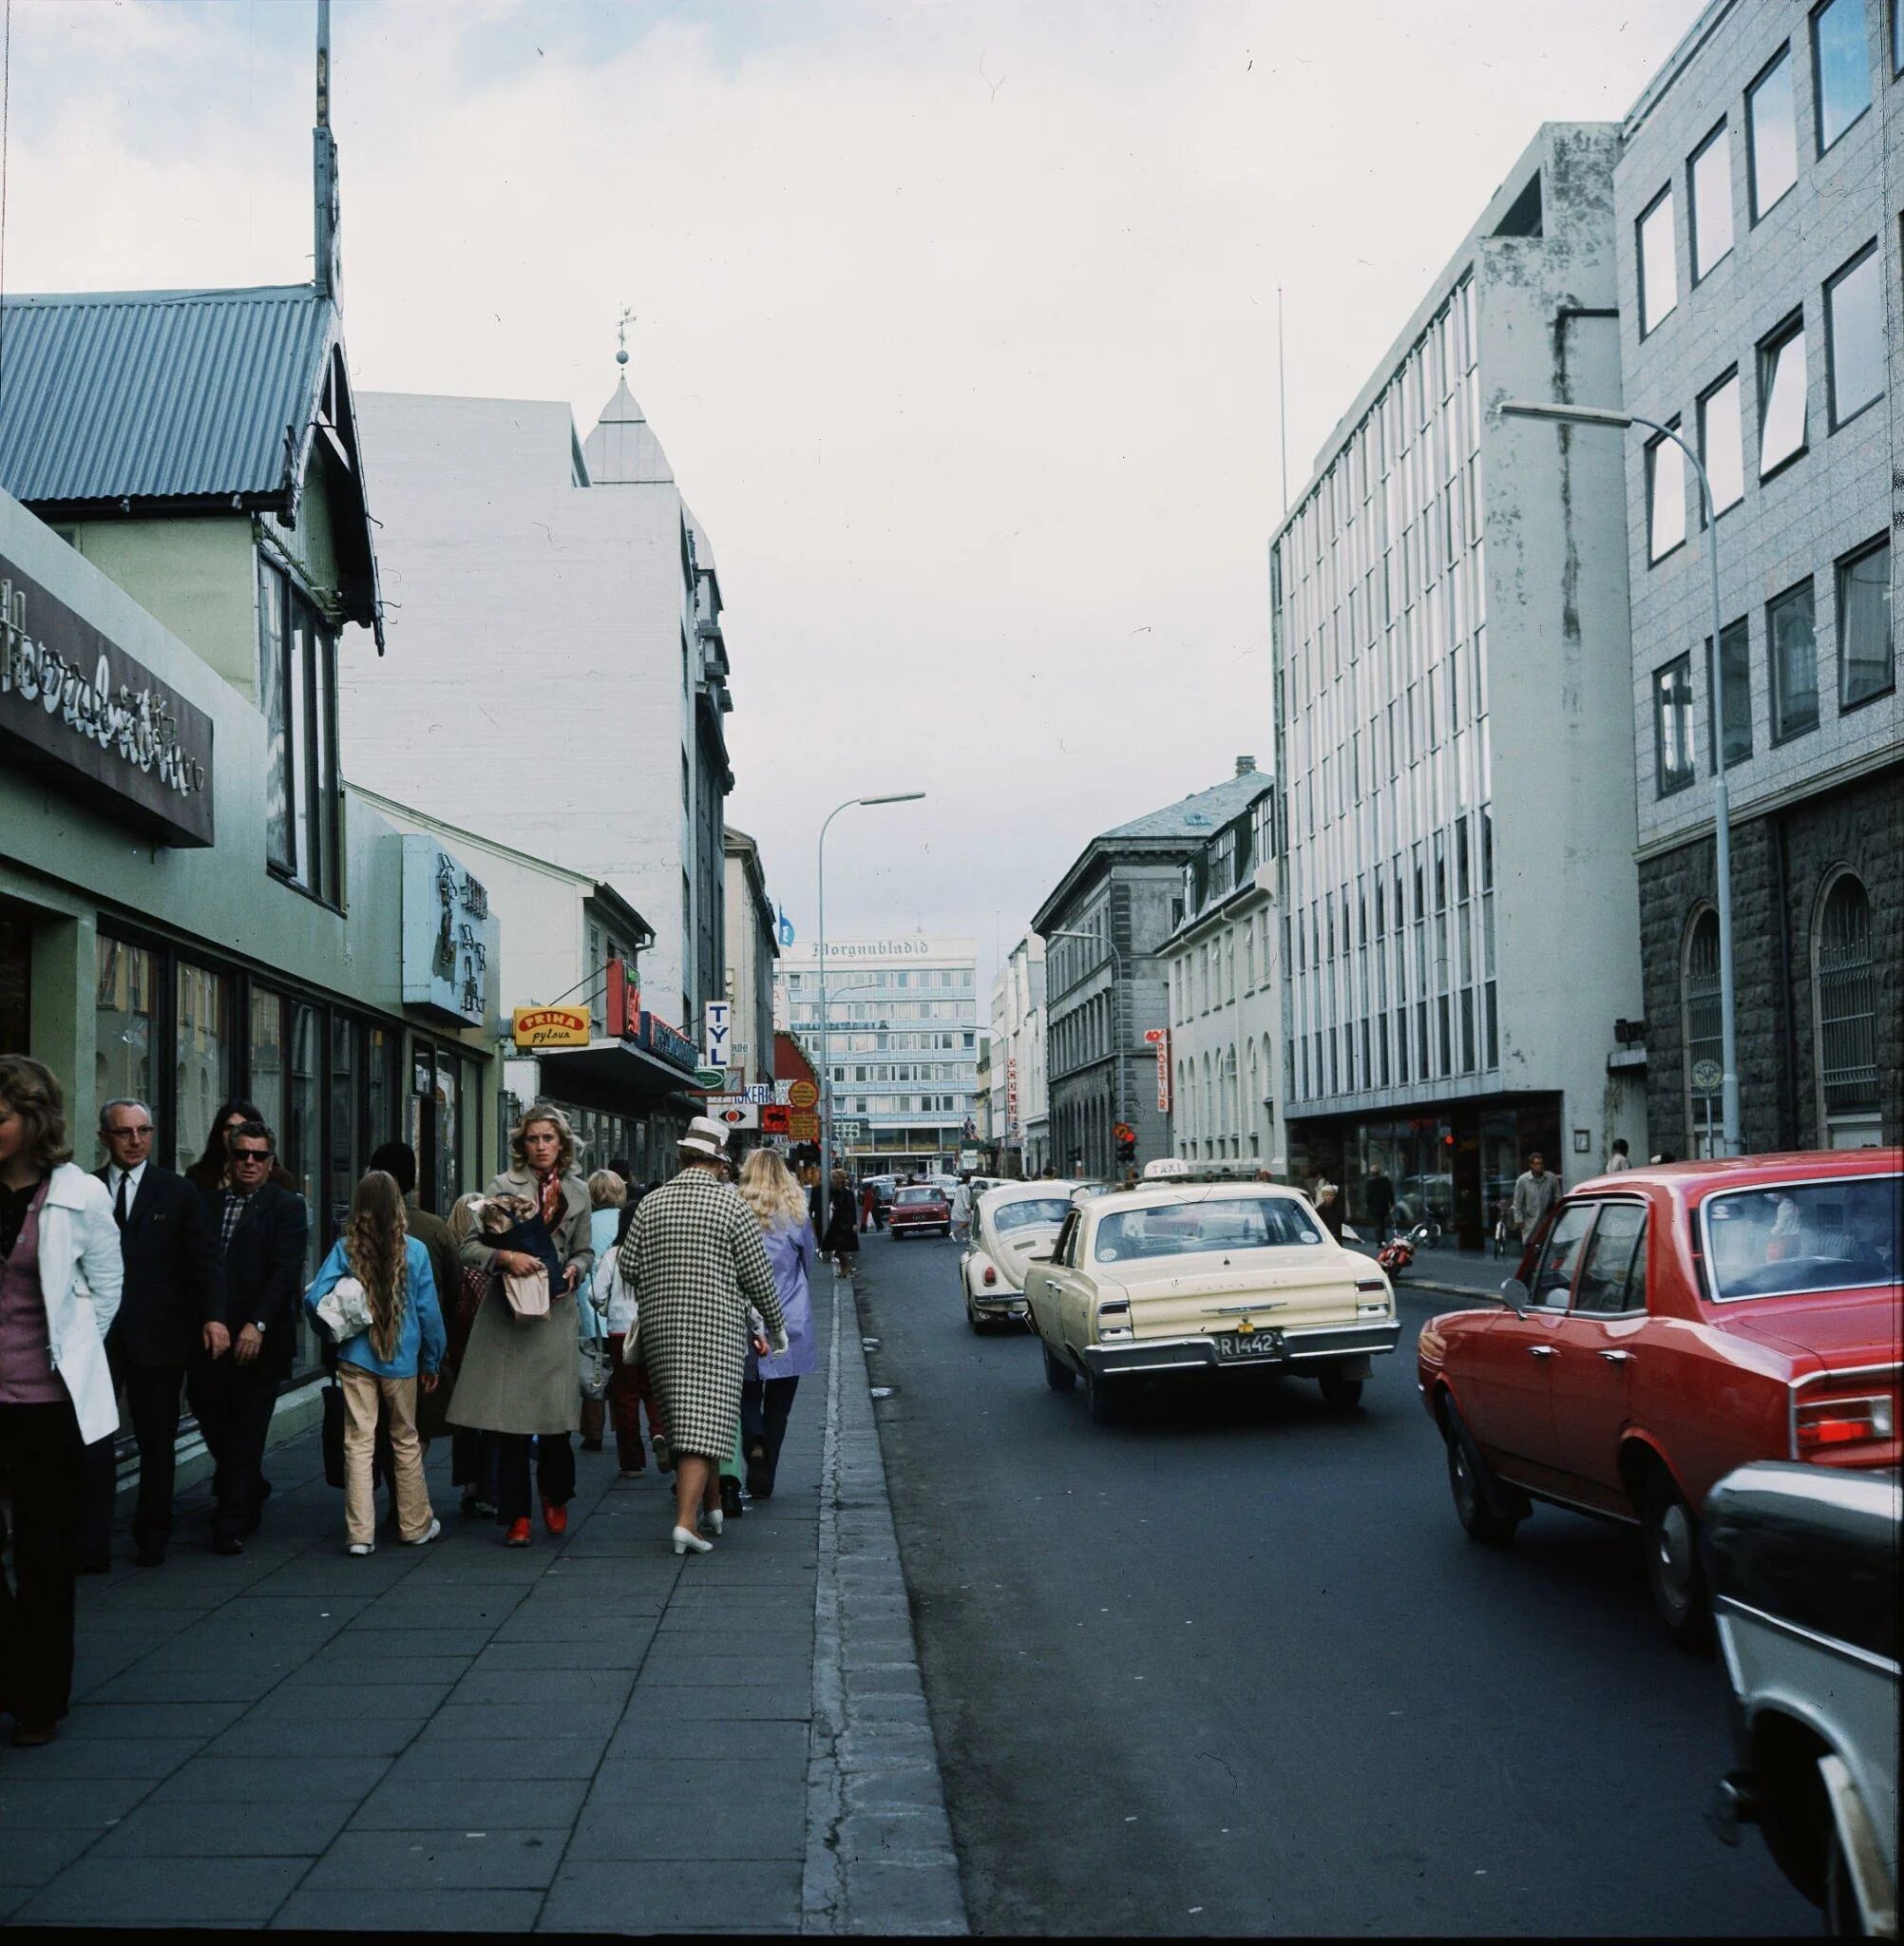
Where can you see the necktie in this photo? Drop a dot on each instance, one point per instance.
(119, 1201)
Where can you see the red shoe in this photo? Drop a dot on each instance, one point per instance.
(555, 1518)
(518, 1535)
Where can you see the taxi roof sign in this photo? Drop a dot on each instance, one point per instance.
(1167, 1169)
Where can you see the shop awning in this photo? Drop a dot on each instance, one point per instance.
(614, 1076)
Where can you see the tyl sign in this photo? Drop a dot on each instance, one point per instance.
(718, 1046)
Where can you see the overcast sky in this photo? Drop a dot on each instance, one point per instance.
(958, 323)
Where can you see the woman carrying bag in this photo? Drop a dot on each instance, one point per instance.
(375, 1297)
(521, 1376)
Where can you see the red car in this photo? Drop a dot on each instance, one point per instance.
(1667, 1325)
(918, 1208)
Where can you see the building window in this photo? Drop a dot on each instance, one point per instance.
(1709, 180)
(1728, 695)
(1782, 396)
(1792, 638)
(1703, 1033)
(1845, 982)
(1720, 447)
(1771, 136)
(126, 1017)
(1854, 335)
(296, 691)
(204, 1066)
(1659, 275)
(1665, 496)
(1673, 725)
(1864, 652)
(1840, 67)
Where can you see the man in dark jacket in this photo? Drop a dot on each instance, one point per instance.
(1377, 1194)
(172, 1308)
(259, 1231)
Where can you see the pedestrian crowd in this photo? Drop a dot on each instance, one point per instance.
(548, 1307)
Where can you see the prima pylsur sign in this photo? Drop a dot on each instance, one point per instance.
(94, 720)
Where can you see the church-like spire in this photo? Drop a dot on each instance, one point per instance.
(622, 450)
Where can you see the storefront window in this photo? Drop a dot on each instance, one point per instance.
(298, 1140)
(16, 972)
(203, 1056)
(265, 1085)
(382, 1122)
(125, 1005)
(344, 1167)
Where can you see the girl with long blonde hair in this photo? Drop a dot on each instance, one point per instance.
(779, 1205)
(386, 1361)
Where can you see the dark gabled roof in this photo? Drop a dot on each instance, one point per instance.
(154, 402)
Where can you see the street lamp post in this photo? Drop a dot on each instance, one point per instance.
(1104, 939)
(820, 927)
(1721, 797)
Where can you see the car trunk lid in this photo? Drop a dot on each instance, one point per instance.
(1843, 1330)
(1292, 1290)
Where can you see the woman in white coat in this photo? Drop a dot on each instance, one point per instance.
(60, 1274)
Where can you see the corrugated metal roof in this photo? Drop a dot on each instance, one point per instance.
(159, 395)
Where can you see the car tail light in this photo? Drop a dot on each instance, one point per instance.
(1824, 1424)
(990, 1277)
(1113, 1317)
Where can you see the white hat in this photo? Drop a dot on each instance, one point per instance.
(704, 1137)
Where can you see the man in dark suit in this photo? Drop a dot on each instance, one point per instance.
(258, 1230)
(173, 1307)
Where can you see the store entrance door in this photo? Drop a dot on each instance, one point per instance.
(17, 983)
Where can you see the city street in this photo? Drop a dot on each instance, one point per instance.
(1233, 1666)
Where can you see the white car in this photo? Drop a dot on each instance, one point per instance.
(1010, 1224)
(1176, 1275)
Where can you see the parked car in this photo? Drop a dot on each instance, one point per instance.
(1667, 1325)
(1011, 1223)
(918, 1208)
(1803, 1567)
(1172, 1276)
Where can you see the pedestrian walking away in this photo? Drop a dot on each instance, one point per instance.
(695, 1261)
(842, 1239)
(521, 1377)
(607, 1197)
(1535, 1192)
(629, 1389)
(60, 1277)
(171, 1307)
(960, 1201)
(869, 1204)
(1378, 1195)
(392, 1354)
(261, 1231)
(769, 1190)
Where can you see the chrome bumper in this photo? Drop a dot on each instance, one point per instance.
(1144, 1355)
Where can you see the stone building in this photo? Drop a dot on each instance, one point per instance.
(1756, 204)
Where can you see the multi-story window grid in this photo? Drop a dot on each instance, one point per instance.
(1847, 1003)
(1383, 706)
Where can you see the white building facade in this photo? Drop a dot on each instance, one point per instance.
(902, 1047)
(1225, 997)
(1019, 1110)
(752, 946)
(1453, 712)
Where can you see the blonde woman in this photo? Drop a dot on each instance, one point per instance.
(779, 1205)
(389, 1362)
(521, 1378)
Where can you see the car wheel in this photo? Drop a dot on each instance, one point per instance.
(1105, 1402)
(1478, 1497)
(1057, 1375)
(1843, 1916)
(1341, 1394)
(1674, 1572)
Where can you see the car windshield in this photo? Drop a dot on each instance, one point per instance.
(1777, 1241)
(1227, 1222)
(919, 1196)
(1029, 1209)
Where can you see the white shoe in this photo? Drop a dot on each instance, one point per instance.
(713, 1517)
(362, 1547)
(424, 1539)
(686, 1543)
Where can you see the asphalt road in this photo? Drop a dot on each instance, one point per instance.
(1232, 1665)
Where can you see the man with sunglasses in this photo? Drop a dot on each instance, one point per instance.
(173, 1307)
(259, 1231)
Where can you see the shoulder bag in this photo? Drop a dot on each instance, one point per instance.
(528, 1296)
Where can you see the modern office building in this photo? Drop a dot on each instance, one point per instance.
(1757, 201)
(1105, 924)
(1225, 997)
(1453, 728)
(902, 1048)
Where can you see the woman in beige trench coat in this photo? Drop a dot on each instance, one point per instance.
(520, 1376)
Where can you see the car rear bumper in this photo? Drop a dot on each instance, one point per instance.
(1138, 1357)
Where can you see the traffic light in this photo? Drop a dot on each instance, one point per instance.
(1125, 1139)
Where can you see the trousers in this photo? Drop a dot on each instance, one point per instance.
(233, 1405)
(555, 1472)
(363, 1392)
(628, 1391)
(42, 1456)
(152, 1403)
(765, 1404)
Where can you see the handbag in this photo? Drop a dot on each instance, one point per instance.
(344, 1309)
(528, 1296)
(334, 1434)
(596, 1369)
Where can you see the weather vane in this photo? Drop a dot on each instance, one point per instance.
(621, 325)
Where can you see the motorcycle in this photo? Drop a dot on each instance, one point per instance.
(1398, 1254)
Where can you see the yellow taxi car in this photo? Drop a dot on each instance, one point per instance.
(1178, 1274)
(1010, 1224)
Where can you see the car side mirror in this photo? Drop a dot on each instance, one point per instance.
(1514, 1295)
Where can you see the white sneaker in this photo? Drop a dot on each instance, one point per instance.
(424, 1539)
(362, 1547)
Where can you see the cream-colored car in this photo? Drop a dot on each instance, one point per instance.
(1180, 1276)
(1010, 1225)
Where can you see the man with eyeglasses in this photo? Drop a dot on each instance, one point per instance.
(260, 1232)
(173, 1307)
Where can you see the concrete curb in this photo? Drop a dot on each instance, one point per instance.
(879, 1845)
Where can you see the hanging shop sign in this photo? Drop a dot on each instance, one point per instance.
(803, 1095)
(1160, 1039)
(449, 935)
(803, 1127)
(775, 1118)
(551, 1027)
(96, 721)
(670, 1045)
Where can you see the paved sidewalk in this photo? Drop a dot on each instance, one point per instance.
(586, 1736)
(1441, 1272)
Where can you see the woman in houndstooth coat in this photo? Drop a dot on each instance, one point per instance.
(695, 1261)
